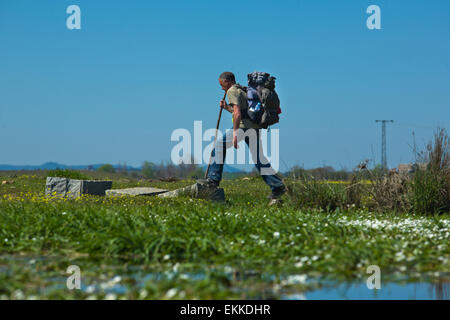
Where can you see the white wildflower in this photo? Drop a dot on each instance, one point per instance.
(294, 279)
(110, 296)
(399, 256)
(184, 276)
(18, 295)
(90, 289)
(143, 294)
(228, 269)
(171, 293)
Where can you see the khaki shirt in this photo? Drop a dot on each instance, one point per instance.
(238, 96)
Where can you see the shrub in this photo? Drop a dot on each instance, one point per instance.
(66, 173)
(388, 191)
(426, 190)
(355, 190)
(109, 168)
(430, 186)
(309, 192)
(148, 170)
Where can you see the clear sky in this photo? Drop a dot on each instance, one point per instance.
(137, 70)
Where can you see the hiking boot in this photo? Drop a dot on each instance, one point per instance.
(277, 193)
(208, 183)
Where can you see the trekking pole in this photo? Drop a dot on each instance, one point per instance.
(215, 136)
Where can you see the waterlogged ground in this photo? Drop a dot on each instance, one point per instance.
(151, 248)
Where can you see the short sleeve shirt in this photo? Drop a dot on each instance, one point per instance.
(238, 97)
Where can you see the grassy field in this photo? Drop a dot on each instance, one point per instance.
(152, 248)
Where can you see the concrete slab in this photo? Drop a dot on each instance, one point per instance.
(196, 190)
(139, 191)
(73, 188)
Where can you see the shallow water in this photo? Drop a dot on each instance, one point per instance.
(329, 291)
(389, 291)
(119, 281)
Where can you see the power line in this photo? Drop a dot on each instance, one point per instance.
(416, 126)
(383, 142)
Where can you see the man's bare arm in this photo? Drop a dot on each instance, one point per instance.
(236, 117)
(236, 122)
(226, 106)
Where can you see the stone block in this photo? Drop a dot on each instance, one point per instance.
(72, 188)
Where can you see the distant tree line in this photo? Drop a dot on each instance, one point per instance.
(150, 170)
(167, 170)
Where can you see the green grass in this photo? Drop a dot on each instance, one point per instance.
(201, 249)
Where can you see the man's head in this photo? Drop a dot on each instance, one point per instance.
(226, 80)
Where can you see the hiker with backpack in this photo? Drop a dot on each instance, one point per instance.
(253, 108)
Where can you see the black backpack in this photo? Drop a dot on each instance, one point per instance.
(263, 101)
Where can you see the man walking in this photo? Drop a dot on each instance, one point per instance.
(243, 128)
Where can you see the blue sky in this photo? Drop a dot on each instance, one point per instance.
(137, 70)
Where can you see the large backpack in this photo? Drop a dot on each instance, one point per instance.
(263, 101)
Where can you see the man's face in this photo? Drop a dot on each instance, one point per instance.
(225, 84)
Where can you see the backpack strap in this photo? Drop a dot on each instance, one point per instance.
(259, 90)
(237, 85)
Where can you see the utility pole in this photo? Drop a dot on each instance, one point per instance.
(414, 147)
(383, 142)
